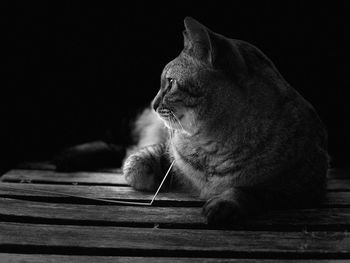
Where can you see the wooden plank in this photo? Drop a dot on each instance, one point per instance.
(37, 258)
(169, 242)
(42, 176)
(338, 184)
(103, 214)
(106, 192)
(333, 199)
(103, 178)
(326, 219)
(49, 166)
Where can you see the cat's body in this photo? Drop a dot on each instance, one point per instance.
(240, 136)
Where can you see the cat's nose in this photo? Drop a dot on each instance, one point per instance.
(156, 103)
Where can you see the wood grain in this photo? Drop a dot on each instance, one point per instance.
(106, 192)
(49, 166)
(338, 184)
(331, 218)
(112, 240)
(102, 214)
(333, 199)
(37, 258)
(106, 178)
(42, 176)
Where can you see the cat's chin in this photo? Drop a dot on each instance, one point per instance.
(175, 128)
(171, 126)
(168, 125)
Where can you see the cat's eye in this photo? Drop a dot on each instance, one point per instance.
(171, 81)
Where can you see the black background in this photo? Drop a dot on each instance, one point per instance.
(75, 71)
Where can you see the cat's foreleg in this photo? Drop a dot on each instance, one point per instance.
(144, 169)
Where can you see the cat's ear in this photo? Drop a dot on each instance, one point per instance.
(196, 40)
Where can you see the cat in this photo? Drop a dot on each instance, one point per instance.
(240, 136)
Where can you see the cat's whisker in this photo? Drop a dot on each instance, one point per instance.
(178, 122)
(173, 124)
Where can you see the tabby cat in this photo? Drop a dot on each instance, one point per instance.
(241, 137)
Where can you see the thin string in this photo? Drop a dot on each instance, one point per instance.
(160, 186)
(101, 199)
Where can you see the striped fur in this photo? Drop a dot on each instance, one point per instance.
(240, 135)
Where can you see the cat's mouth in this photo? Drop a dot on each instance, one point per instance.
(168, 113)
(165, 112)
(170, 118)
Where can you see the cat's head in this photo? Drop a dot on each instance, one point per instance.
(208, 82)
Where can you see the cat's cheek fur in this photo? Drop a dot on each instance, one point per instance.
(189, 122)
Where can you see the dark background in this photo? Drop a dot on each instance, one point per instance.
(74, 72)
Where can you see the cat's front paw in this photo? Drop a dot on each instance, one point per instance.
(141, 173)
(220, 211)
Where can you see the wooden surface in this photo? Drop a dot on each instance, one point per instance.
(44, 226)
